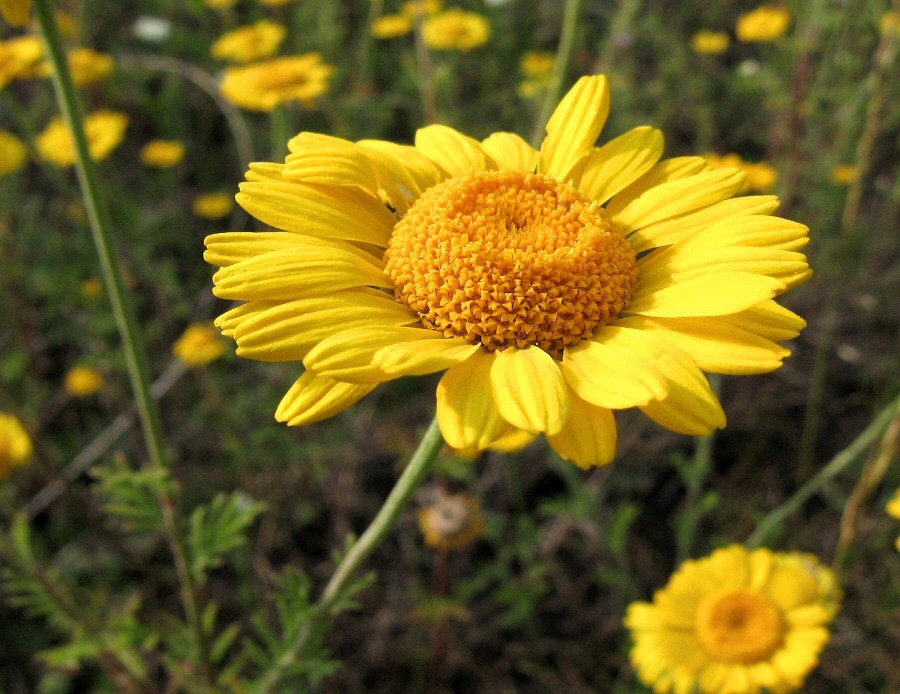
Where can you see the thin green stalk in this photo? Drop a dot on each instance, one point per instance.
(364, 61)
(133, 347)
(837, 465)
(426, 74)
(571, 13)
(415, 472)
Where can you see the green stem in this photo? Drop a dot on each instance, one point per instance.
(834, 467)
(415, 472)
(426, 74)
(566, 40)
(126, 321)
(364, 61)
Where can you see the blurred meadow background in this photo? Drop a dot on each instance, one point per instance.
(805, 99)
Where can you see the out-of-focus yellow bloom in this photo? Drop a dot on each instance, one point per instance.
(538, 64)
(413, 8)
(452, 521)
(765, 23)
(19, 58)
(104, 129)
(16, 12)
(263, 86)
(249, 43)
(890, 23)
(213, 205)
(893, 510)
(710, 42)
(82, 381)
(199, 345)
(91, 288)
(13, 153)
(162, 154)
(844, 174)
(68, 24)
(275, 3)
(456, 30)
(761, 177)
(219, 4)
(391, 26)
(15, 445)
(87, 66)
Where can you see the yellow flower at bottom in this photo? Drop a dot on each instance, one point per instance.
(765, 23)
(263, 86)
(13, 153)
(553, 286)
(735, 622)
(456, 30)
(213, 205)
(198, 345)
(710, 42)
(82, 381)
(162, 154)
(451, 521)
(16, 12)
(104, 130)
(15, 445)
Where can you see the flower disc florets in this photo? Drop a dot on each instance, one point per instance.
(511, 259)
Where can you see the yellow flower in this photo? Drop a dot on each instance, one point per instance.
(68, 24)
(537, 64)
(890, 23)
(553, 286)
(91, 288)
(761, 177)
(104, 129)
(844, 174)
(249, 43)
(199, 345)
(87, 66)
(413, 8)
(710, 42)
(456, 30)
(736, 622)
(765, 23)
(162, 154)
(893, 510)
(451, 521)
(82, 381)
(13, 153)
(213, 205)
(391, 26)
(16, 12)
(263, 86)
(275, 3)
(15, 445)
(20, 58)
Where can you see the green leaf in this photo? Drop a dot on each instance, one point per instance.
(218, 528)
(132, 496)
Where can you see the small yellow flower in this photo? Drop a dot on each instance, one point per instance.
(13, 153)
(737, 621)
(15, 445)
(20, 58)
(213, 205)
(890, 23)
(199, 345)
(391, 26)
(893, 510)
(263, 86)
(87, 66)
(82, 381)
(765, 23)
(413, 8)
(451, 521)
(219, 4)
(456, 30)
(275, 3)
(91, 288)
(16, 12)
(105, 131)
(248, 43)
(162, 154)
(844, 174)
(68, 24)
(710, 42)
(537, 64)
(761, 177)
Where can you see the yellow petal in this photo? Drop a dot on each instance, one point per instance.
(349, 214)
(296, 273)
(407, 164)
(575, 126)
(753, 230)
(589, 437)
(336, 166)
(423, 356)
(511, 152)
(662, 172)
(466, 411)
(529, 389)
(769, 320)
(620, 162)
(348, 355)
(232, 247)
(455, 153)
(309, 141)
(228, 321)
(713, 343)
(264, 171)
(680, 196)
(715, 294)
(314, 398)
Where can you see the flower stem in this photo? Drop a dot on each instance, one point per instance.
(834, 467)
(426, 73)
(123, 311)
(415, 472)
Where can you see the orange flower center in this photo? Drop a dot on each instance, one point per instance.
(505, 259)
(738, 626)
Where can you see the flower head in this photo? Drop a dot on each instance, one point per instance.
(276, 3)
(82, 381)
(710, 42)
(213, 205)
(16, 12)
(390, 26)
(553, 286)
(15, 445)
(199, 345)
(451, 521)
(844, 174)
(20, 58)
(91, 288)
(765, 23)
(105, 131)
(263, 86)
(249, 43)
(761, 177)
(13, 153)
(162, 154)
(893, 510)
(738, 621)
(456, 30)
(87, 66)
